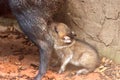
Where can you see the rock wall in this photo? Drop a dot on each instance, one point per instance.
(98, 23)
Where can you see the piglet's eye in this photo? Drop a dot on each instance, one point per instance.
(56, 30)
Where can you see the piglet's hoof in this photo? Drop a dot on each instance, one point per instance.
(61, 71)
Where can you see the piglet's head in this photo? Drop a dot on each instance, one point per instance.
(64, 32)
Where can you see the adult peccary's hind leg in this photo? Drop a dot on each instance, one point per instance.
(45, 53)
(30, 18)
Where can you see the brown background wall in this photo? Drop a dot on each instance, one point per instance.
(98, 23)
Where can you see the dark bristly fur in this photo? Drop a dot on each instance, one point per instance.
(33, 17)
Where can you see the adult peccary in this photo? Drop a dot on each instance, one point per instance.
(33, 16)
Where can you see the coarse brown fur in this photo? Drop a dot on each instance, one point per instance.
(76, 52)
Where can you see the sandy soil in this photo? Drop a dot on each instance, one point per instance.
(19, 60)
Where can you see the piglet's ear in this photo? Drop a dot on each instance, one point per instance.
(73, 33)
(67, 39)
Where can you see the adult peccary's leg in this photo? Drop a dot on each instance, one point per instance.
(31, 20)
(45, 52)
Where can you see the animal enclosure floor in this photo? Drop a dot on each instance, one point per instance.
(19, 60)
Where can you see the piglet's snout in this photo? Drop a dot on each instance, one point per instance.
(67, 39)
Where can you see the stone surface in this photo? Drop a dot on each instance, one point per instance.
(97, 22)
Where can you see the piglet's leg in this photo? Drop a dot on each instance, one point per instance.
(82, 71)
(65, 61)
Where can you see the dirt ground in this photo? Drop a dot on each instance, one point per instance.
(19, 60)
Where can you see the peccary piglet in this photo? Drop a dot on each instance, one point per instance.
(72, 50)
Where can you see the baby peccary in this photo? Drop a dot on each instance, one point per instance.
(72, 50)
